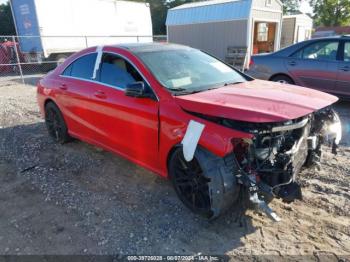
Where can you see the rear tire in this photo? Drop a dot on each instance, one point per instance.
(55, 124)
(283, 79)
(206, 185)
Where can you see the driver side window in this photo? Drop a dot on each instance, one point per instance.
(116, 71)
(322, 50)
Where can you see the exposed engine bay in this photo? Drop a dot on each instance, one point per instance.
(269, 163)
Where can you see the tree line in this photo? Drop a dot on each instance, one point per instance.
(326, 13)
(7, 26)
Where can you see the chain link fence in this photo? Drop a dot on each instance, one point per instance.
(25, 59)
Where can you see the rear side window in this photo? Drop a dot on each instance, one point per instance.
(326, 50)
(83, 67)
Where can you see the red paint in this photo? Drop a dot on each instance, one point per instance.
(257, 101)
(145, 130)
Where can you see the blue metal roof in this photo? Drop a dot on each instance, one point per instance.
(209, 11)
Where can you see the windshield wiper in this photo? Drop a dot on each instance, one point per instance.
(177, 89)
(212, 88)
(233, 83)
(221, 85)
(188, 92)
(184, 91)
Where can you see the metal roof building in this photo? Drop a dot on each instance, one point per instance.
(211, 11)
(222, 26)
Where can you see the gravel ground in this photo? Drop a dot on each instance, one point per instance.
(79, 199)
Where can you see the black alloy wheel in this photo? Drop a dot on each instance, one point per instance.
(190, 184)
(55, 124)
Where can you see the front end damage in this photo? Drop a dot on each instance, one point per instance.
(269, 163)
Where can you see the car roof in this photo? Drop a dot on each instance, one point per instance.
(335, 37)
(287, 51)
(151, 47)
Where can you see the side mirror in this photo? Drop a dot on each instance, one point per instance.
(136, 89)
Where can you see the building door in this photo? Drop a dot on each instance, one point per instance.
(264, 37)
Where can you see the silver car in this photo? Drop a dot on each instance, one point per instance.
(322, 64)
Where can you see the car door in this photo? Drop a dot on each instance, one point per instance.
(315, 65)
(75, 97)
(343, 76)
(130, 125)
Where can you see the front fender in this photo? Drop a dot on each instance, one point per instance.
(215, 138)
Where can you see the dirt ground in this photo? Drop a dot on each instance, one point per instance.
(78, 199)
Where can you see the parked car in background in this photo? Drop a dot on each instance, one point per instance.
(320, 34)
(189, 117)
(8, 57)
(322, 64)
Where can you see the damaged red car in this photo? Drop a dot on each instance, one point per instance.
(191, 118)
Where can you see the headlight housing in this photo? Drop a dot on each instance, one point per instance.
(334, 129)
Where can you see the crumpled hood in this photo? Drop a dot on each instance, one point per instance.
(257, 101)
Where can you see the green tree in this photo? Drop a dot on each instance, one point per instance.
(6, 21)
(291, 7)
(158, 11)
(331, 12)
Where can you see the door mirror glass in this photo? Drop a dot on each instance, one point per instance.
(136, 89)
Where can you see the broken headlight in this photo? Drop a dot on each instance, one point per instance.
(334, 129)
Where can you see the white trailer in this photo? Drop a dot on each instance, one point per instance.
(56, 28)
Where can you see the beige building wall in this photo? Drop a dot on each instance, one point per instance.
(214, 37)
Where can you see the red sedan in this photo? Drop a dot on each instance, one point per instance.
(190, 117)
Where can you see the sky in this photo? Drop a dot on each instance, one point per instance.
(305, 6)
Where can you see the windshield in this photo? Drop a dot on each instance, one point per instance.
(189, 70)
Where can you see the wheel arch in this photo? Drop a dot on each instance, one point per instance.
(170, 154)
(61, 133)
(281, 74)
(177, 146)
(223, 186)
(49, 100)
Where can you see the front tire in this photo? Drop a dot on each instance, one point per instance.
(55, 124)
(206, 185)
(283, 79)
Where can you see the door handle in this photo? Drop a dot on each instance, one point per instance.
(63, 87)
(345, 68)
(292, 63)
(100, 94)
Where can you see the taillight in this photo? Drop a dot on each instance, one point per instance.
(251, 62)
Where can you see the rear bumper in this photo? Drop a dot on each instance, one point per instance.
(41, 101)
